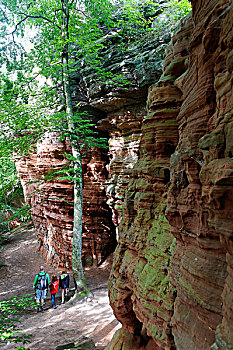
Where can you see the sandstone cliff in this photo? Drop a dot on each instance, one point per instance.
(198, 202)
(168, 185)
(140, 293)
(52, 203)
(198, 315)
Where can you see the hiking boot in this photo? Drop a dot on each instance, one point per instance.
(40, 309)
(54, 307)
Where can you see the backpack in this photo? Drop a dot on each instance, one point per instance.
(42, 282)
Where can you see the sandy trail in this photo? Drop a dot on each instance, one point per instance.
(91, 317)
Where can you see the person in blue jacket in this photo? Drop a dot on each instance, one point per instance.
(64, 282)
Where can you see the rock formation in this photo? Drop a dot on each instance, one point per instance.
(198, 203)
(139, 289)
(52, 203)
(198, 315)
(168, 183)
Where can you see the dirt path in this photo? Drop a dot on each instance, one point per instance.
(91, 317)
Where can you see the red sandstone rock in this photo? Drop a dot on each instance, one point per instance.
(52, 204)
(200, 202)
(199, 207)
(125, 135)
(139, 289)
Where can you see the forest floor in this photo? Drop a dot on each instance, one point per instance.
(90, 317)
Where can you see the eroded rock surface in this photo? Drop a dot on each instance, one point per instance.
(120, 110)
(140, 293)
(169, 187)
(199, 208)
(197, 79)
(52, 204)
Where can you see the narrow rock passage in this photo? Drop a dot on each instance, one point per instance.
(91, 317)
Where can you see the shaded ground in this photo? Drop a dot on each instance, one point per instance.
(91, 317)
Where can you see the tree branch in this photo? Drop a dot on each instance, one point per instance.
(16, 27)
(82, 12)
(25, 18)
(58, 10)
(39, 16)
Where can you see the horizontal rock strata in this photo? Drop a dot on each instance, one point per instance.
(198, 314)
(199, 208)
(139, 289)
(169, 185)
(52, 204)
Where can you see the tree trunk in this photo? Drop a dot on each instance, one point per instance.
(78, 188)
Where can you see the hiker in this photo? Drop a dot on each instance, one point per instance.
(64, 281)
(53, 286)
(40, 285)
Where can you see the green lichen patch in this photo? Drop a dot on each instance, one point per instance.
(153, 269)
(176, 67)
(166, 79)
(156, 332)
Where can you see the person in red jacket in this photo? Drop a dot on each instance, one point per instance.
(53, 286)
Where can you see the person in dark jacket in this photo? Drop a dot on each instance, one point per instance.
(41, 283)
(53, 286)
(64, 282)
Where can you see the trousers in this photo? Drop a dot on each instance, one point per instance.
(53, 299)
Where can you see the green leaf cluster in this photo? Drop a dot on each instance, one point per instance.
(10, 310)
(32, 44)
(170, 13)
(11, 195)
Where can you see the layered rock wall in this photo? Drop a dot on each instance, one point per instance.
(51, 203)
(197, 313)
(140, 293)
(198, 207)
(120, 110)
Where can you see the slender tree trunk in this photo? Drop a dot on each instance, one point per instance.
(78, 188)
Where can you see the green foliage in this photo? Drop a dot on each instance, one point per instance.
(170, 15)
(11, 194)
(8, 176)
(8, 181)
(10, 310)
(84, 133)
(180, 9)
